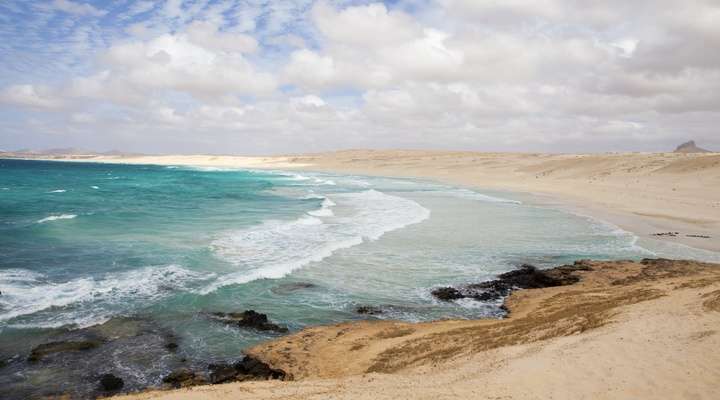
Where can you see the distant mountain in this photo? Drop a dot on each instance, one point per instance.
(64, 151)
(690, 147)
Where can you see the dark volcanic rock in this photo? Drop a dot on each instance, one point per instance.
(222, 373)
(183, 378)
(368, 310)
(525, 277)
(259, 370)
(287, 288)
(250, 319)
(447, 294)
(110, 383)
(172, 346)
(247, 369)
(46, 349)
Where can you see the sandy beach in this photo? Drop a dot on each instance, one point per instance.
(626, 330)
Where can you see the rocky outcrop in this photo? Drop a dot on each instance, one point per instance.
(525, 277)
(249, 319)
(247, 369)
(690, 147)
(183, 378)
(110, 383)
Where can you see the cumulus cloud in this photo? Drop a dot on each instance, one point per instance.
(277, 75)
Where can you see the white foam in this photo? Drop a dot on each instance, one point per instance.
(95, 187)
(56, 217)
(87, 299)
(472, 195)
(58, 191)
(325, 210)
(276, 248)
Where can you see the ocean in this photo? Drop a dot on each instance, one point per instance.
(163, 247)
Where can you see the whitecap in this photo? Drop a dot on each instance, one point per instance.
(325, 210)
(87, 299)
(472, 195)
(58, 191)
(276, 248)
(95, 187)
(56, 217)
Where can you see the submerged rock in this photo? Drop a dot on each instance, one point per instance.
(287, 288)
(250, 319)
(46, 349)
(110, 383)
(368, 310)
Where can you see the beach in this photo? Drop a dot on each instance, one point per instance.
(644, 193)
(626, 330)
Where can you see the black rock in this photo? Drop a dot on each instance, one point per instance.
(287, 288)
(172, 346)
(525, 277)
(447, 294)
(222, 373)
(250, 319)
(46, 349)
(258, 369)
(110, 383)
(368, 310)
(183, 378)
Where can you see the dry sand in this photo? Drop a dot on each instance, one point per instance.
(626, 331)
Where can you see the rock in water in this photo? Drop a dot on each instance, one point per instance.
(368, 310)
(110, 383)
(447, 294)
(525, 277)
(46, 349)
(287, 288)
(250, 319)
(690, 147)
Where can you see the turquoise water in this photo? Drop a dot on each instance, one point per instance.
(82, 243)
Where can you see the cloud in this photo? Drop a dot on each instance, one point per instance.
(281, 75)
(30, 96)
(75, 8)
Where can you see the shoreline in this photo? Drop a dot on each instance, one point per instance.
(605, 336)
(393, 359)
(667, 214)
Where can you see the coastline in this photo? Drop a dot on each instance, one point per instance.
(642, 193)
(650, 320)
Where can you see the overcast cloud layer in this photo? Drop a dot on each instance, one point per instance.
(270, 76)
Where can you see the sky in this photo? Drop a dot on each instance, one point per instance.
(281, 76)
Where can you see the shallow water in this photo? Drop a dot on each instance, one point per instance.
(84, 243)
